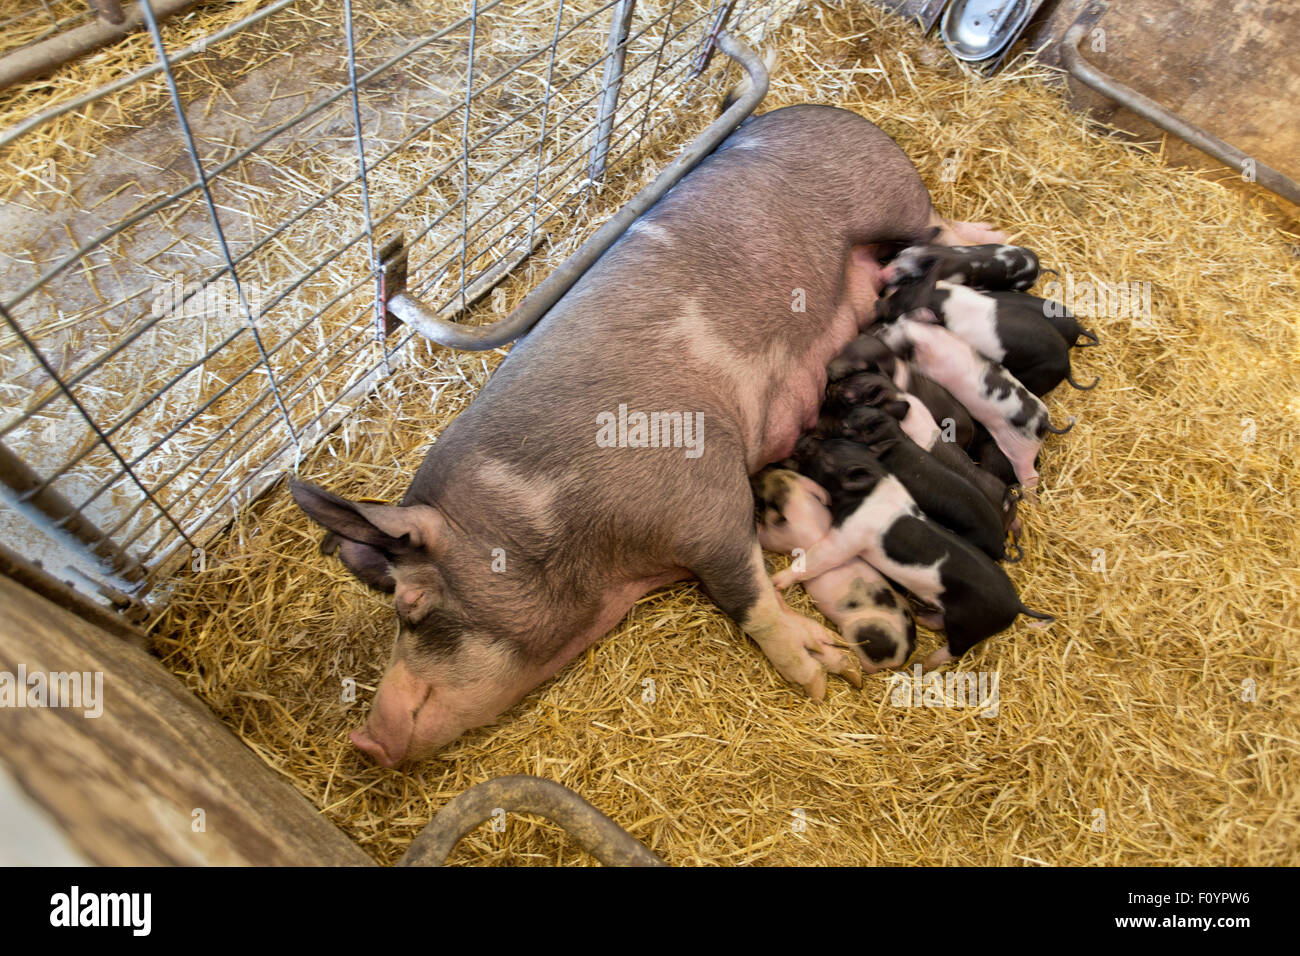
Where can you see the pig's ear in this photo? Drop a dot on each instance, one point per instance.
(390, 529)
(369, 564)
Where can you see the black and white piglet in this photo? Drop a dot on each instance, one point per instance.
(1010, 329)
(942, 494)
(917, 421)
(1056, 314)
(873, 516)
(992, 266)
(1015, 417)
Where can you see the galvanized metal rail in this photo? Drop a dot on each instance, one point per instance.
(1087, 74)
(426, 321)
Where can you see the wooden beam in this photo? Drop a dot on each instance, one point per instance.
(125, 786)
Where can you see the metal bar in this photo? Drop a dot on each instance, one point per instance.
(615, 52)
(37, 59)
(654, 76)
(477, 338)
(546, 107)
(710, 42)
(464, 141)
(81, 410)
(592, 830)
(365, 181)
(1087, 74)
(151, 21)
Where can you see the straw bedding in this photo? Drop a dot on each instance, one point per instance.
(1165, 695)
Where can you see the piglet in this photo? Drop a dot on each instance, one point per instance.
(1010, 329)
(1015, 418)
(942, 494)
(873, 516)
(992, 266)
(876, 622)
(918, 424)
(1056, 314)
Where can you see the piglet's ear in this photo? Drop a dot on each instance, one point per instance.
(816, 490)
(391, 529)
(896, 409)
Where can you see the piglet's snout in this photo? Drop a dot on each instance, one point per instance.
(388, 735)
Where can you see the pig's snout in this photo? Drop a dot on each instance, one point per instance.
(402, 706)
(374, 749)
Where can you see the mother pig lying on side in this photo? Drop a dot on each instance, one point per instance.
(722, 304)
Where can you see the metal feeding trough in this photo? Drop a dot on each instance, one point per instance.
(976, 30)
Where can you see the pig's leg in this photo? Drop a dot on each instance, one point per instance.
(801, 649)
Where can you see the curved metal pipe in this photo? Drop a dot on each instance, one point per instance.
(596, 833)
(537, 303)
(1153, 112)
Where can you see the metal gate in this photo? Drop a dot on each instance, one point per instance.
(190, 247)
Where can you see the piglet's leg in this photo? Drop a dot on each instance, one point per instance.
(832, 550)
(801, 649)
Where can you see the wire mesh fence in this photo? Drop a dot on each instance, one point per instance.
(189, 232)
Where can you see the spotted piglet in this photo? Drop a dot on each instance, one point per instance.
(1015, 417)
(1010, 329)
(874, 620)
(873, 517)
(990, 266)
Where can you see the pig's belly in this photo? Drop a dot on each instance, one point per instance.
(798, 391)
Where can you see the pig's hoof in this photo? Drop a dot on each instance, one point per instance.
(807, 652)
(832, 655)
